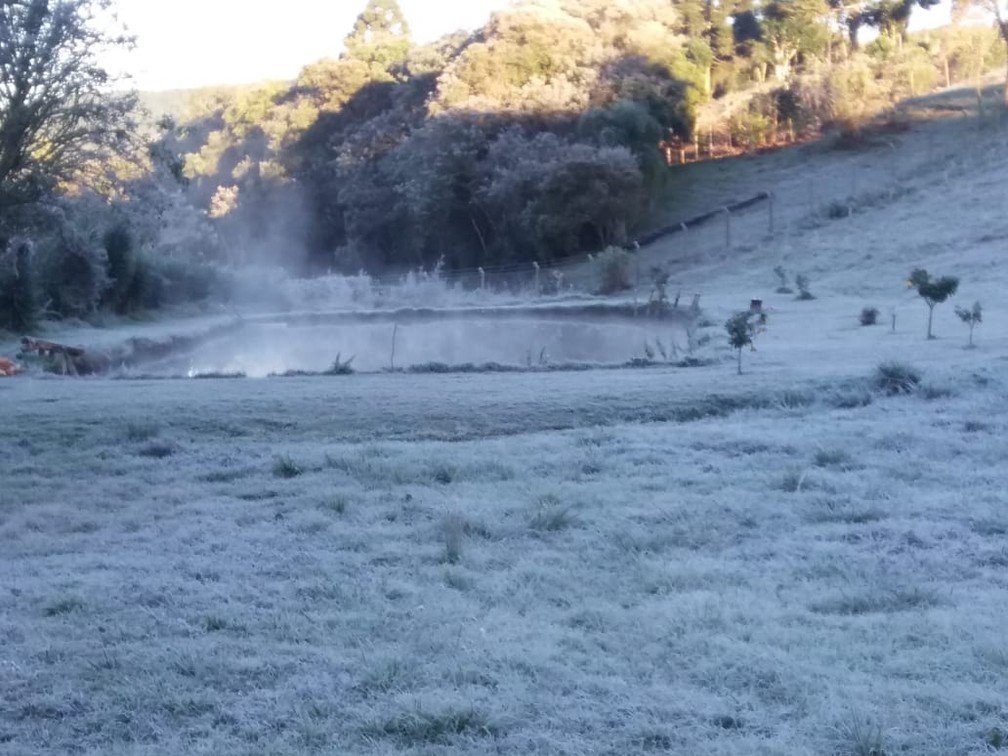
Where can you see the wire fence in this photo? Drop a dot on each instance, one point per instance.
(794, 201)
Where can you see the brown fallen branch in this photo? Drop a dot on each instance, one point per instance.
(49, 348)
(63, 359)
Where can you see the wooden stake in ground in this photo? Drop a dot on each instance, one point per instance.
(395, 332)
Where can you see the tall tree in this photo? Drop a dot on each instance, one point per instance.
(793, 28)
(892, 17)
(850, 15)
(58, 122)
(380, 37)
(999, 8)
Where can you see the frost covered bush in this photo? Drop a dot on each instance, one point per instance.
(180, 280)
(18, 295)
(782, 280)
(612, 270)
(285, 467)
(869, 316)
(133, 282)
(550, 514)
(72, 273)
(895, 378)
(802, 282)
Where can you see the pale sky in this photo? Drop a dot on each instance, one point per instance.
(190, 43)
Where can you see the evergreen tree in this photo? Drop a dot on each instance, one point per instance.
(892, 17)
(380, 37)
(793, 28)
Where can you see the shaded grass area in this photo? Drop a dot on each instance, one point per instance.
(796, 575)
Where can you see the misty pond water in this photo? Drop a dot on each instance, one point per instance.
(259, 349)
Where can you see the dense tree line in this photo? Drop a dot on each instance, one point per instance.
(534, 138)
(538, 136)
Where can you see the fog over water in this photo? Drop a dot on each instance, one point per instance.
(261, 349)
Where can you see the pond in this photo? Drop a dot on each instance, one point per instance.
(519, 339)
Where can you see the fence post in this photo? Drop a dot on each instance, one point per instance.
(538, 290)
(395, 332)
(482, 278)
(727, 213)
(771, 213)
(892, 165)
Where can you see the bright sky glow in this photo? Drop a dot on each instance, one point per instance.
(191, 43)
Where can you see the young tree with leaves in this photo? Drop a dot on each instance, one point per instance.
(933, 291)
(971, 317)
(741, 330)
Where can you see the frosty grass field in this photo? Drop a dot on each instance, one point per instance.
(667, 559)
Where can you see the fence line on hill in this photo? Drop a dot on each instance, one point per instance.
(799, 203)
(576, 273)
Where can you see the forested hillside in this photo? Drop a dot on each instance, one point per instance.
(538, 136)
(545, 134)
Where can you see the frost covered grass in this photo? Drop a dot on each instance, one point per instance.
(787, 575)
(807, 559)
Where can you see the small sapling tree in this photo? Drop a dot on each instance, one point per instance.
(782, 280)
(741, 330)
(802, 282)
(933, 291)
(971, 317)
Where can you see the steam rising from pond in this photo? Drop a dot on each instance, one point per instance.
(263, 348)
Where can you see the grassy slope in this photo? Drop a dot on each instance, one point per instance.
(799, 575)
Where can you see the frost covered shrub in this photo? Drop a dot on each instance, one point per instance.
(869, 316)
(134, 284)
(178, 281)
(285, 467)
(550, 514)
(612, 269)
(802, 282)
(782, 280)
(18, 295)
(895, 378)
(838, 209)
(72, 273)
